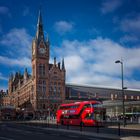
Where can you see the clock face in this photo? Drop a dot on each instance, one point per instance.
(42, 50)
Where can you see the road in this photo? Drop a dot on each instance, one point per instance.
(12, 131)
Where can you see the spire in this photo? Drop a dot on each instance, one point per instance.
(63, 64)
(39, 33)
(25, 72)
(54, 60)
(39, 19)
(47, 40)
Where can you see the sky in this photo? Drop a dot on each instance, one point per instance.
(89, 34)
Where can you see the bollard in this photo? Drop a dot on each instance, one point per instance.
(97, 127)
(56, 124)
(67, 124)
(81, 126)
(119, 128)
(48, 122)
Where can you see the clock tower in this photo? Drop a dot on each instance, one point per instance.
(40, 68)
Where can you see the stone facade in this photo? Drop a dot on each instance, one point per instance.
(44, 90)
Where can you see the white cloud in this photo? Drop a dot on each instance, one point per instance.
(93, 62)
(4, 10)
(26, 11)
(3, 77)
(129, 38)
(0, 29)
(4, 88)
(22, 62)
(63, 27)
(18, 41)
(110, 6)
(131, 24)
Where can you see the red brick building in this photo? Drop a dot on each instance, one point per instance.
(44, 90)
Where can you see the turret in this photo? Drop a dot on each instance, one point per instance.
(47, 40)
(55, 61)
(63, 64)
(39, 33)
(25, 75)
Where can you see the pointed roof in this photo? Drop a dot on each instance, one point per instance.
(39, 19)
(25, 70)
(39, 32)
(47, 39)
(63, 64)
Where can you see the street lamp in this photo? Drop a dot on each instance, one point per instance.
(121, 62)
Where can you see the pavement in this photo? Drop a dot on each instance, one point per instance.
(92, 134)
(128, 127)
(95, 134)
(100, 135)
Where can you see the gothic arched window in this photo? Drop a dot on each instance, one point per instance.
(41, 69)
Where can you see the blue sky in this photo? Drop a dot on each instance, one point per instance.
(90, 34)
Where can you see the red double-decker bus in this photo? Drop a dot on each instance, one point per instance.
(86, 113)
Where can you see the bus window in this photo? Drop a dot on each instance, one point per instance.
(87, 106)
(74, 106)
(89, 116)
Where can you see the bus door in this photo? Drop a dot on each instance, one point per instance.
(89, 119)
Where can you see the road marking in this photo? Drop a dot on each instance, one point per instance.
(5, 138)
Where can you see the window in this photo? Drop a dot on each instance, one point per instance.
(42, 86)
(87, 106)
(59, 89)
(33, 70)
(132, 97)
(39, 85)
(41, 70)
(89, 116)
(44, 106)
(125, 97)
(112, 97)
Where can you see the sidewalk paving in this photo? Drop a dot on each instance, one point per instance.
(100, 135)
(87, 133)
(129, 126)
(93, 134)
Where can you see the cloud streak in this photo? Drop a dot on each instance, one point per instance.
(93, 62)
(63, 27)
(131, 25)
(21, 62)
(3, 77)
(4, 10)
(109, 6)
(17, 41)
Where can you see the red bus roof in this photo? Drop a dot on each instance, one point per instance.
(82, 102)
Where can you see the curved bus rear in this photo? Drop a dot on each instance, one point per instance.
(88, 113)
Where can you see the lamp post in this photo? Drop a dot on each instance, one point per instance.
(121, 62)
